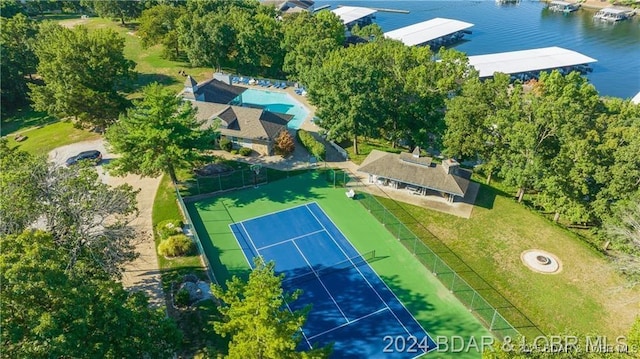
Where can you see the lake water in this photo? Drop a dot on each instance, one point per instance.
(527, 25)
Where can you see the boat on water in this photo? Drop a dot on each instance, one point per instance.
(611, 14)
(563, 6)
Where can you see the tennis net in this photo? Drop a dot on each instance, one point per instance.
(342, 265)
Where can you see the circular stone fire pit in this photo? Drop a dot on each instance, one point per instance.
(541, 261)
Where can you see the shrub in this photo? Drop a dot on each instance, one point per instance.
(182, 298)
(285, 144)
(234, 152)
(245, 151)
(168, 228)
(226, 144)
(176, 245)
(312, 145)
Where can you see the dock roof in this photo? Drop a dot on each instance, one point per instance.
(636, 99)
(349, 14)
(514, 62)
(613, 10)
(422, 32)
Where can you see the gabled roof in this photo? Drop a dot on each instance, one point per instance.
(190, 82)
(215, 91)
(432, 176)
(243, 122)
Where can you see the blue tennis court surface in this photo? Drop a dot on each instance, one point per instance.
(351, 306)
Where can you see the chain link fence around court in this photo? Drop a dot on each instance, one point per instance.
(192, 231)
(239, 178)
(493, 316)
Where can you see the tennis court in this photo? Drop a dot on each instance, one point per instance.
(351, 306)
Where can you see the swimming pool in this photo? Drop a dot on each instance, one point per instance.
(275, 102)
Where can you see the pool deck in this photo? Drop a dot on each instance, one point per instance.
(300, 160)
(307, 123)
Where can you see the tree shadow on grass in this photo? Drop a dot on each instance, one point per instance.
(144, 79)
(24, 118)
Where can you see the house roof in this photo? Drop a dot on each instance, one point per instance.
(213, 90)
(244, 122)
(418, 173)
(190, 82)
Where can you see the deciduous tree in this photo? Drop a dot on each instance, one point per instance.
(257, 320)
(308, 39)
(158, 25)
(159, 134)
(47, 311)
(87, 218)
(122, 10)
(18, 60)
(83, 73)
(285, 144)
(20, 177)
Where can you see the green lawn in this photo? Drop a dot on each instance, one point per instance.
(439, 312)
(586, 297)
(150, 65)
(195, 323)
(41, 140)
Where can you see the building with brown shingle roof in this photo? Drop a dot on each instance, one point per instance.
(244, 126)
(415, 173)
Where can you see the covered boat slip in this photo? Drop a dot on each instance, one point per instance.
(438, 29)
(352, 15)
(563, 6)
(517, 62)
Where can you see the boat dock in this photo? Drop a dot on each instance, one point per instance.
(563, 6)
(435, 32)
(352, 15)
(527, 64)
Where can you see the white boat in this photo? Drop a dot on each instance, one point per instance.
(611, 14)
(563, 6)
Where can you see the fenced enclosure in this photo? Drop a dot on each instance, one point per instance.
(194, 233)
(475, 302)
(238, 178)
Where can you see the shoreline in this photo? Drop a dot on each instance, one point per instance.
(597, 4)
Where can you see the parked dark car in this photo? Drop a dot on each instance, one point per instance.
(93, 156)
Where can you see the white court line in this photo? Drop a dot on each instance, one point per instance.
(243, 253)
(291, 239)
(365, 278)
(250, 240)
(251, 266)
(322, 283)
(345, 324)
(279, 211)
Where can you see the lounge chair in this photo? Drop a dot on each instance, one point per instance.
(235, 79)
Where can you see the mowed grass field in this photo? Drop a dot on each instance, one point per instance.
(586, 297)
(150, 65)
(439, 312)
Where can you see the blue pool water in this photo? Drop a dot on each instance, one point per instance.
(275, 102)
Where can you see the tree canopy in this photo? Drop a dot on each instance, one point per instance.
(257, 320)
(83, 72)
(18, 59)
(159, 134)
(47, 311)
(87, 218)
(384, 88)
(159, 25)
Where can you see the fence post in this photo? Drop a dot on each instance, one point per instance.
(495, 312)
(452, 282)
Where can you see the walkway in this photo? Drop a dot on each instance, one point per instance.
(142, 274)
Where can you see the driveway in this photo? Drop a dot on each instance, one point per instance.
(143, 274)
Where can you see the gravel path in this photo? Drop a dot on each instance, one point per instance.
(143, 274)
